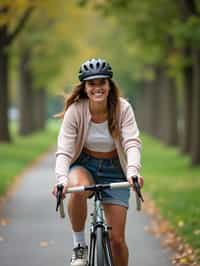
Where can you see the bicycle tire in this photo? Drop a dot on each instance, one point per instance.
(104, 254)
(91, 261)
(108, 258)
(138, 202)
(99, 246)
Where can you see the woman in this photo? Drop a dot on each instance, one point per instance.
(98, 143)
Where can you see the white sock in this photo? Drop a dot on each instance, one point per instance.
(79, 238)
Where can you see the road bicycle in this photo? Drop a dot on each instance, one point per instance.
(100, 253)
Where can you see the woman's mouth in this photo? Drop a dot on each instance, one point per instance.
(100, 93)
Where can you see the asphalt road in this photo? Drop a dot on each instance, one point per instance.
(33, 234)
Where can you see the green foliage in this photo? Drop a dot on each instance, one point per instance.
(46, 38)
(153, 29)
(188, 32)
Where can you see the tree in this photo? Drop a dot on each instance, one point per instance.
(188, 33)
(6, 39)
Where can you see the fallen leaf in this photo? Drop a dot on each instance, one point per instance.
(4, 221)
(44, 244)
(197, 232)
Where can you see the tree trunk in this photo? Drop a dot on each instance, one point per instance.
(168, 111)
(188, 93)
(4, 94)
(147, 107)
(40, 109)
(6, 39)
(195, 136)
(139, 107)
(151, 105)
(156, 104)
(26, 97)
(172, 132)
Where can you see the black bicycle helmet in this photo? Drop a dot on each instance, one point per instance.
(95, 68)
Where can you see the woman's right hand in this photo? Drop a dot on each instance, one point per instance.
(65, 186)
(55, 190)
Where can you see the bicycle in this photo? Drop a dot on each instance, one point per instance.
(99, 230)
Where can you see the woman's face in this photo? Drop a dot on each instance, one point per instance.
(98, 89)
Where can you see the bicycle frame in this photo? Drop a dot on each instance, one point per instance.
(98, 210)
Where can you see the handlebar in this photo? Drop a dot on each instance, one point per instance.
(99, 187)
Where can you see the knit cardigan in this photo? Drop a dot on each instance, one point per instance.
(73, 133)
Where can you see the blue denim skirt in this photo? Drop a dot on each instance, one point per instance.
(105, 171)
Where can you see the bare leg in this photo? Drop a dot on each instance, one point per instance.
(116, 218)
(77, 203)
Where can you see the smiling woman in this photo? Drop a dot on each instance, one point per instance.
(98, 130)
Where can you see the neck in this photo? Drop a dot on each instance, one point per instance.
(98, 108)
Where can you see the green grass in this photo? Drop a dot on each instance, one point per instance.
(175, 187)
(16, 156)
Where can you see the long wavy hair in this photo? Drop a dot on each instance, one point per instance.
(78, 93)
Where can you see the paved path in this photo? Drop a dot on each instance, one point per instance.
(36, 236)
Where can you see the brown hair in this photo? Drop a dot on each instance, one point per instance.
(78, 93)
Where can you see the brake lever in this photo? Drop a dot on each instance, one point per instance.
(59, 195)
(137, 187)
(59, 204)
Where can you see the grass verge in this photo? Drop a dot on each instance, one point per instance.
(16, 156)
(175, 187)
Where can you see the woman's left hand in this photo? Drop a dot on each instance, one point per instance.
(140, 181)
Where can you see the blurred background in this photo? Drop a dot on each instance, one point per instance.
(153, 47)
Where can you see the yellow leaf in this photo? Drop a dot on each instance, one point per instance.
(183, 260)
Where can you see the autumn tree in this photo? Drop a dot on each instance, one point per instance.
(7, 36)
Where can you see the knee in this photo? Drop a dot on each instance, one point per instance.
(117, 242)
(78, 195)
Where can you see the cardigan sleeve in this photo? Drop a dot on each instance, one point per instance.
(66, 144)
(131, 142)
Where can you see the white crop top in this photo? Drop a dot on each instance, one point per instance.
(99, 138)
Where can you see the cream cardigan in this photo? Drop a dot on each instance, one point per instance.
(73, 133)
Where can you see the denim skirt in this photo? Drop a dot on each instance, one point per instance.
(105, 171)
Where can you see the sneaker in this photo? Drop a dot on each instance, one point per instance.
(79, 256)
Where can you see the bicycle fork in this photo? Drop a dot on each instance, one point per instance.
(97, 221)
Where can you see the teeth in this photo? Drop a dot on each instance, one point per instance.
(98, 93)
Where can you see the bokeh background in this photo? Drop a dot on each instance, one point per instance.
(154, 49)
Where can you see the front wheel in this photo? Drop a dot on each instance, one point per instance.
(104, 254)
